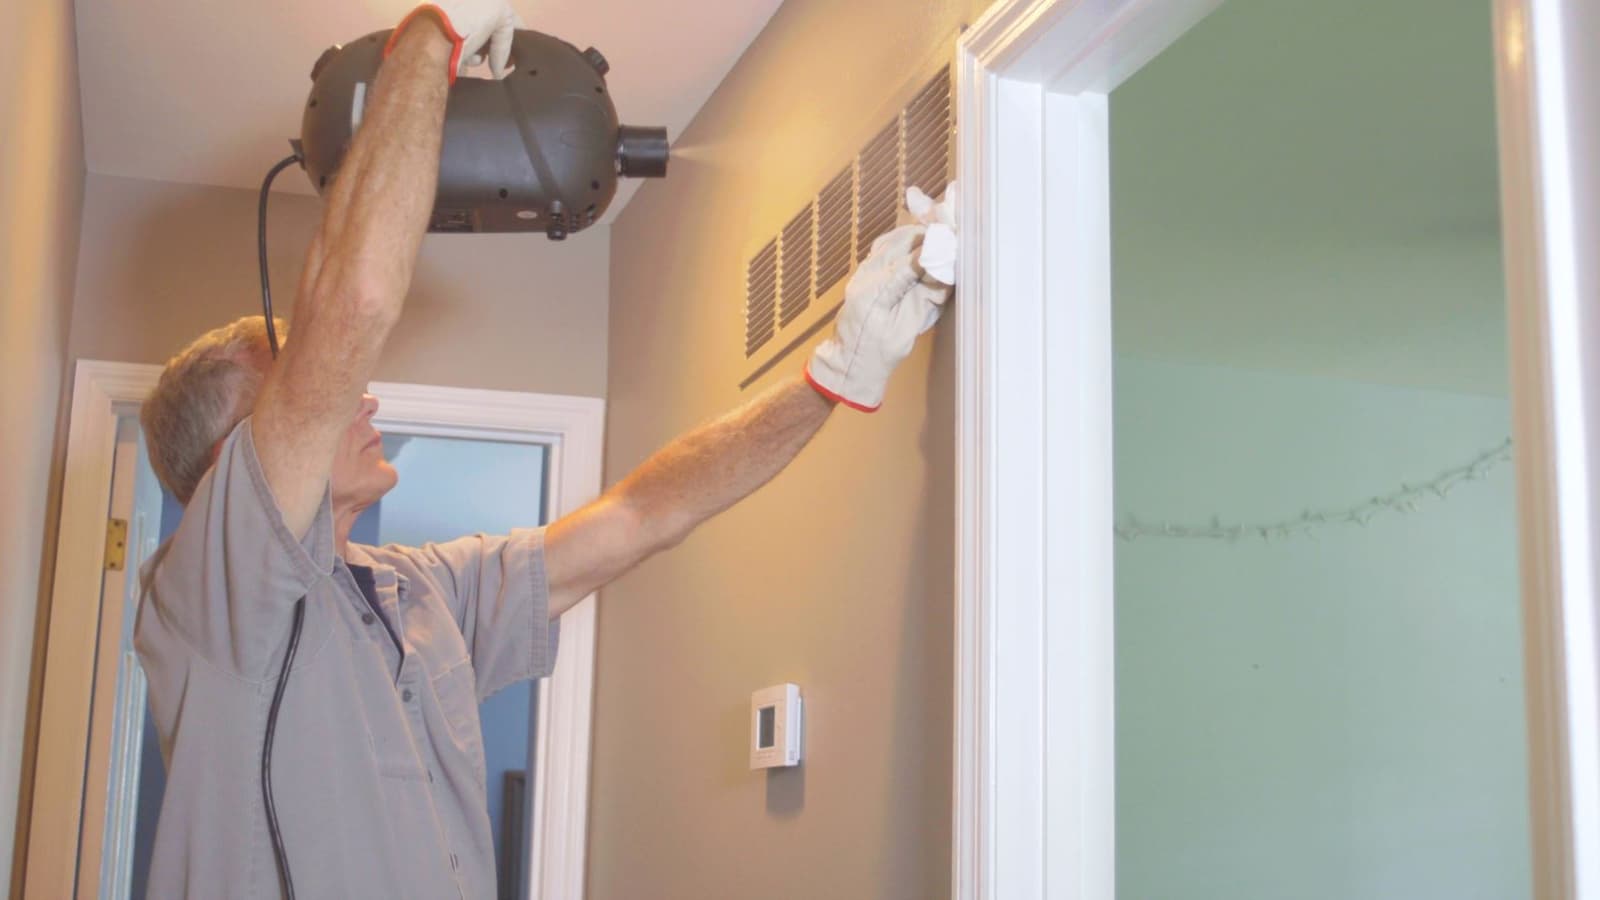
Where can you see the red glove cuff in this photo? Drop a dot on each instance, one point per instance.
(835, 397)
(449, 29)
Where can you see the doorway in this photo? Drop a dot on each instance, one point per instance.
(1037, 717)
(1319, 686)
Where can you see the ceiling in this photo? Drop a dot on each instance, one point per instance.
(1307, 186)
(209, 92)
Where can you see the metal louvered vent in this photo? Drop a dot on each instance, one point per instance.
(761, 296)
(818, 247)
(878, 174)
(794, 293)
(834, 230)
(928, 129)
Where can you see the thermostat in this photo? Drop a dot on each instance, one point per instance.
(775, 727)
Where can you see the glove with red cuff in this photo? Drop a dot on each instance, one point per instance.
(480, 29)
(890, 300)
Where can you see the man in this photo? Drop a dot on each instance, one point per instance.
(381, 655)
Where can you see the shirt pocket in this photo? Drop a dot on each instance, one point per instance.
(456, 688)
(393, 749)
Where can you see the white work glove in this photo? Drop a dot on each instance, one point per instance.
(481, 29)
(889, 301)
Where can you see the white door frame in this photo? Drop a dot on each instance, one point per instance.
(1034, 812)
(1549, 115)
(104, 391)
(1034, 781)
(107, 830)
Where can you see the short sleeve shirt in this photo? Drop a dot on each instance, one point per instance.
(377, 763)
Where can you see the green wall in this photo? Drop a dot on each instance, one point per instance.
(1331, 717)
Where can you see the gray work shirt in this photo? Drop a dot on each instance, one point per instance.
(377, 764)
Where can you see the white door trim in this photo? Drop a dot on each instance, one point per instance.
(1035, 769)
(103, 391)
(1550, 218)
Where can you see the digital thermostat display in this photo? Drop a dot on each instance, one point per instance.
(775, 727)
(766, 726)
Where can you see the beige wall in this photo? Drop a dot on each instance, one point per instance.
(41, 195)
(162, 262)
(837, 576)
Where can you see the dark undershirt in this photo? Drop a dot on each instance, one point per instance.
(369, 589)
(367, 582)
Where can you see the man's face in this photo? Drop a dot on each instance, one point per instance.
(361, 475)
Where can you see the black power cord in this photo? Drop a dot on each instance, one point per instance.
(278, 851)
(261, 246)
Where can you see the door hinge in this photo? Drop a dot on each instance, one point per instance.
(116, 544)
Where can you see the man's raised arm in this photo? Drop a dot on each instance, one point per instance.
(356, 274)
(360, 263)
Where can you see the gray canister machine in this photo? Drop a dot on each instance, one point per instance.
(540, 150)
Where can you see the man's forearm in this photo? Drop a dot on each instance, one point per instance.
(718, 464)
(690, 480)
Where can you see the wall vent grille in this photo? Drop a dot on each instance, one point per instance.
(818, 247)
(795, 272)
(761, 295)
(928, 131)
(834, 229)
(878, 174)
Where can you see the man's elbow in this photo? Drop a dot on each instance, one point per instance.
(653, 527)
(670, 533)
(374, 305)
(364, 301)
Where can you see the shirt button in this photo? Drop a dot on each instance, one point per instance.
(368, 618)
(406, 695)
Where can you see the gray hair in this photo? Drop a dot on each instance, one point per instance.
(204, 391)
